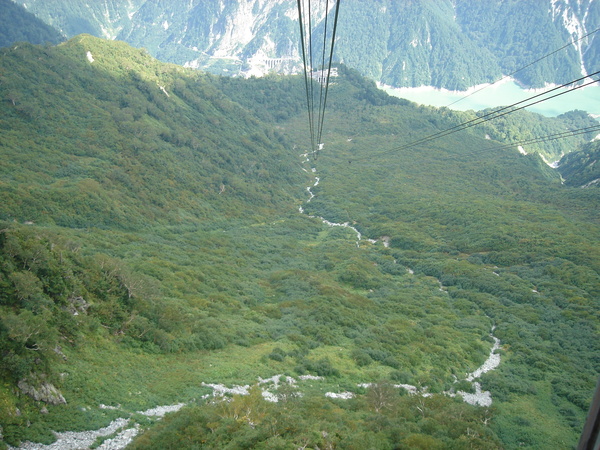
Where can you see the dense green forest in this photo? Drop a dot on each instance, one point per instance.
(580, 168)
(151, 244)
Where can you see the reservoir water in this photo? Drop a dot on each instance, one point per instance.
(502, 94)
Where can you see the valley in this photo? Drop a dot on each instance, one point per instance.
(157, 242)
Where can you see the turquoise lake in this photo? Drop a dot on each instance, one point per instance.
(503, 94)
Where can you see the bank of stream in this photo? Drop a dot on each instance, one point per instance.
(120, 432)
(477, 397)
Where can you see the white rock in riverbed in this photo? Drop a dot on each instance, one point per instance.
(491, 363)
(71, 440)
(342, 395)
(160, 411)
(479, 398)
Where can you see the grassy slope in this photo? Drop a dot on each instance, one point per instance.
(194, 201)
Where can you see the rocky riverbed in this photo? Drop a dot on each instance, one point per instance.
(123, 430)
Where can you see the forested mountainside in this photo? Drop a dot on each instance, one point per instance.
(450, 44)
(463, 43)
(114, 126)
(158, 246)
(20, 25)
(581, 168)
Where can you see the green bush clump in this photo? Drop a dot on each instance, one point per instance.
(321, 367)
(277, 354)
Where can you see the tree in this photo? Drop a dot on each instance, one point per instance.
(382, 397)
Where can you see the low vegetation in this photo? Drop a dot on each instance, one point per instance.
(151, 241)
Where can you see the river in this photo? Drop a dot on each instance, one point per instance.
(502, 93)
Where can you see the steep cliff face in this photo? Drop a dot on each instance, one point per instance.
(448, 43)
(579, 19)
(581, 168)
(456, 44)
(102, 18)
(252, 36)
(423, 44)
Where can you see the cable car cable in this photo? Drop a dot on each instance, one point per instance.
(323, 52)
(335, 21)
(306, 81)
(537, 140)
(316, 115)
(489, 116)
(547, 138)
(524, 67)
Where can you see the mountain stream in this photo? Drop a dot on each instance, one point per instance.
(322, 219)
(122, 430)
(479, 397)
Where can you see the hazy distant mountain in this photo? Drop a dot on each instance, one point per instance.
(452, 44)
(19, 25)
(71, 17)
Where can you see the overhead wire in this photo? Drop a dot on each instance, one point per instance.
(536, 140)
(306, 74)
(335, 21)
(316, 123)
(323, 52)
(316, 112)
(524, 67)
(547, 138)
(311, 65)
(494, 114)
(489, 116)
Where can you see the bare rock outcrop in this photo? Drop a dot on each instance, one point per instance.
(41, 390)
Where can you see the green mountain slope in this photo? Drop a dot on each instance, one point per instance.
(422, 45)
(98, 139)
(500, 28)
(19, 25)
(493, 226)
(151, 243)
(581, 169)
